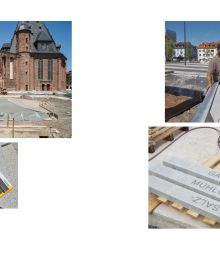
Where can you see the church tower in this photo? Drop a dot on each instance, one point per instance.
(23, 33)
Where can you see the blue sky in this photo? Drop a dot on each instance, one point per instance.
(196, 31)
(60, 30)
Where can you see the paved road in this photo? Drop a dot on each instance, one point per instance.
(191, 67)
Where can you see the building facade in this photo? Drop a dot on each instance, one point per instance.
(179, 50)
(206, 51)
(32, 60)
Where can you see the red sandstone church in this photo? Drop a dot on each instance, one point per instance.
(32, 60)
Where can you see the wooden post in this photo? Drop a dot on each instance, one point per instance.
(13, 127)
(8, 120)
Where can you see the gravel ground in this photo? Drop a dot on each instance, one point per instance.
(186, 82)
(186, 116)
(9, 168)
(63, 108)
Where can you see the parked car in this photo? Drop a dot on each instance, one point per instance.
(176, 59)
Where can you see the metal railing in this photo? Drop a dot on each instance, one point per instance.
(203, 113)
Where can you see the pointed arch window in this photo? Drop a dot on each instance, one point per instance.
(40, 69)
(11, 69)
(50, 69)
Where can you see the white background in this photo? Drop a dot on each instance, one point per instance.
(83, 201)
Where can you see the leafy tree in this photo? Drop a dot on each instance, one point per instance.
(69, 79)
(207, 53)
(188, 51)
(169, 49)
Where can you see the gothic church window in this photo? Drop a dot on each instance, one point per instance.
(50, 69)
(40, 69)
(11, 69)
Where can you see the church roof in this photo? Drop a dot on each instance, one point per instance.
(43, 37)
(6, 46)
(38, 33)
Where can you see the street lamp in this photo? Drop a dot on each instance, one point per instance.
(184, 25)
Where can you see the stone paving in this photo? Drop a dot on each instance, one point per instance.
(9, 168)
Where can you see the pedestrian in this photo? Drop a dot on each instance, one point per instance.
(214, 68)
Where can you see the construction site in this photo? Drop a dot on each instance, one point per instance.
(186, 96)
(35, 86)
(27, 114)
(184, 178)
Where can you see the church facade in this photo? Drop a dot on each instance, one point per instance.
(32, 60)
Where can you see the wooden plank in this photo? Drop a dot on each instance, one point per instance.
(165, 132)
(209, 221)
(177, 206)
(162, 199)
(217, 167)
(169, 137)
(152, 202)
(213, 161)
(192, 213)
(154, 129)
(159, 132)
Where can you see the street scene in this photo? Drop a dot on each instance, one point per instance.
(35, 79)
(192, 71)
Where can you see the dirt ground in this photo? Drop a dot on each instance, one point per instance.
(63, 108)
(173, 100)
(185, 82)
(186, 116)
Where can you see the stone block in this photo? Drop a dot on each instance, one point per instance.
(194, 169)
(186, 180)
(194, 201)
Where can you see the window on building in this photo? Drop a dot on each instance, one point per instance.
(11, 69)
(26, 63)
(40, 69)
(50, 69)
(26, 40)
(26, 48)
(4, 66)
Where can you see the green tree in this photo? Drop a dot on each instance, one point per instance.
(169, 49)
(207, 53)
(69, 79)
(188, 51)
